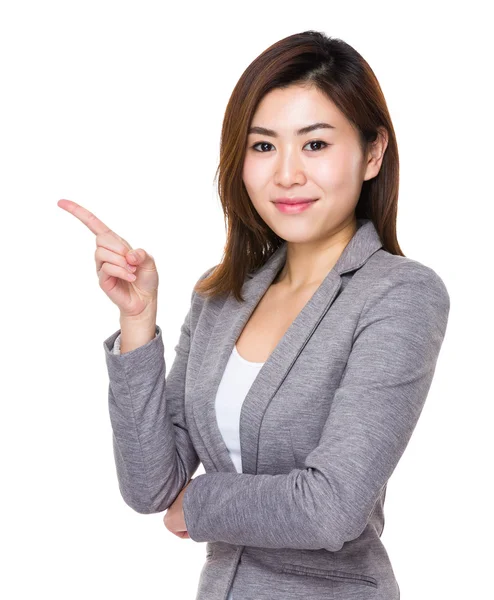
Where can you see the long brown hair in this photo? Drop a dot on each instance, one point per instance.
(339, 71)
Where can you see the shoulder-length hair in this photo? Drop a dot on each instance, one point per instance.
(339, 71)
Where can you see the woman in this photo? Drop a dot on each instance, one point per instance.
(305, 356)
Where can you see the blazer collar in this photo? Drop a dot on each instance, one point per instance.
(230, 323)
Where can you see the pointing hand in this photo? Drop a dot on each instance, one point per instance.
(131, 282)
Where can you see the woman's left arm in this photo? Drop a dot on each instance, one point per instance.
(373, 414)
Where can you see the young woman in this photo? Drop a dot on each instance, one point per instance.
(305, 356)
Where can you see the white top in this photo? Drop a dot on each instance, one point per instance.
(234, 385)
(237, 378)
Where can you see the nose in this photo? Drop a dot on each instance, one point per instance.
(289, 169)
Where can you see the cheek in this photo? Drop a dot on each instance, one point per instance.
(254, 173)
(340, 171)
(325, 173)
(248, 173)
(253, 177)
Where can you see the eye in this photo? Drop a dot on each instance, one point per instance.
(268, 144)
(261, 143)
(318, 142)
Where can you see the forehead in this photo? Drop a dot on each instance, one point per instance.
(291, 108)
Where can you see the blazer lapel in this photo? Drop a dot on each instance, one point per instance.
(230, 323)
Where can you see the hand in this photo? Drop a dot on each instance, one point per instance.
(174, 518)
(114, 265)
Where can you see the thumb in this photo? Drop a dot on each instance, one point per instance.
(136, 256)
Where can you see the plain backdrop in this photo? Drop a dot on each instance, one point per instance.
(118, 106)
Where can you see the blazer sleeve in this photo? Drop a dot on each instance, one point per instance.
(373, 414)
(153, 452)
(116, 345)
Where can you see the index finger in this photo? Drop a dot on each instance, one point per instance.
(84, 215)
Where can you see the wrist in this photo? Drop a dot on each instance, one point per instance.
(147, 316)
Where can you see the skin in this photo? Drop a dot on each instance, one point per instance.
(326, 164)
(131, 282)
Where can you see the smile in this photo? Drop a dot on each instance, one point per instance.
(294, 208)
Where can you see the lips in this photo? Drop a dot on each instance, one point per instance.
(294, 206)
(294, 200)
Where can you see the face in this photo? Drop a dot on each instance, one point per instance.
(325, 163)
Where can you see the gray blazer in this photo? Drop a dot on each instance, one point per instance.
(322, 428)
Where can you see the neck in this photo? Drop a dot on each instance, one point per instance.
(308, 263)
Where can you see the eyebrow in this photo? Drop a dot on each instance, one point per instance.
(302, 131)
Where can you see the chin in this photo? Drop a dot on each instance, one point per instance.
(295, 235)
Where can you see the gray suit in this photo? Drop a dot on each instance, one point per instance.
(322, 428)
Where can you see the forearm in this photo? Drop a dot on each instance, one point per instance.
(153, 452)
(137, 331)
(294, 510)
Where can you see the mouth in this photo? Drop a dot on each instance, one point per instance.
(294, 200)
(294, 205)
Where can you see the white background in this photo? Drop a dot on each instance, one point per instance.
(118, 106)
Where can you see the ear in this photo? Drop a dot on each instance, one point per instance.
(376, 154)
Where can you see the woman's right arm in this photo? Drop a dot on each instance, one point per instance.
(136, 332)
(154, 455)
